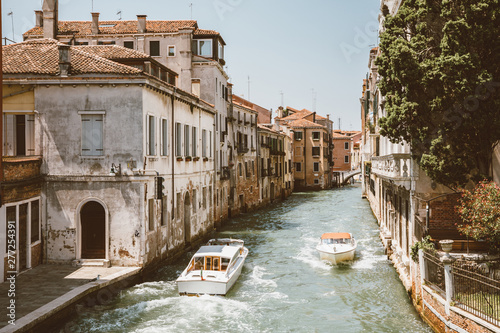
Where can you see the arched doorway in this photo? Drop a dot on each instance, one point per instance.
(272, 191)
(187, 219)
(93, 226)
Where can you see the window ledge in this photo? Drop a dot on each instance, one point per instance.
(87, 157)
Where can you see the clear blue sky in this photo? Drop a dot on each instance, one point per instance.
(282, 45)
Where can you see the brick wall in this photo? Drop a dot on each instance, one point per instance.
(443, 214)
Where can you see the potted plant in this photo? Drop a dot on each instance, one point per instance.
(205, 159)
(196, 158)
(179, 158)
(188, 158)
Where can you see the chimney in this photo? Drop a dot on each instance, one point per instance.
(64, 59)
(39, 18)
(94, 28)
(141, 23)
(314, 117)
(50, 21)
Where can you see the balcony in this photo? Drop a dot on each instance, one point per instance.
(243, 150)
(394, 166)
(21, 168)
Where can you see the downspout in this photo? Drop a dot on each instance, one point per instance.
(305, 157)
(172, 142)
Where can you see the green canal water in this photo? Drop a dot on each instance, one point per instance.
(284, 287)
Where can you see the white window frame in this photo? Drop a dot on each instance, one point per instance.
(315, 166)
(187, 133)
(204, 143)
(346, 145)
(194, 134)
(198, 49)
(298, 136)
(168, 51)
(346, 159)
(178, 139)
(10, 135)
(151, 135)
(164, 137)
(314, 134)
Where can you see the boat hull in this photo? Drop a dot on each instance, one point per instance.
(209, 282)
(335, 257)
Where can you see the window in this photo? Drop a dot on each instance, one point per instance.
(128, 44)
(179, 206)
(151, 215)
(19, 135)
(316, 181)
(202, 47)
(298, 166)
(210, 143)
(221, 51)
(316, 166)
(164, 211)
(195, 201)
(171, 51)
(204, 143)
(240, 173)
(297, 136)
(204, 198)
(154, 48)
(35, 221)
(316, 151)
(108, 42)
(92, 127)
(346, 159)
(186, 140)
(316, 135)
(164, 137)
(151, 136)
(195, 142)
(178, 139)
(346, 145)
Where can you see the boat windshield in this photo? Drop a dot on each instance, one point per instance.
(336, 241)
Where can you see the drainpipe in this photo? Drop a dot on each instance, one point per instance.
(172, 142)
(305, 157)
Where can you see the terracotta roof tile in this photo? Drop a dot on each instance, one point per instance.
(42, 57)
(83, 28)
(112, 51)
(304, 123)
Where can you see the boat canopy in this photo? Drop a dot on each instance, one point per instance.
(217, 250)
(336, 235)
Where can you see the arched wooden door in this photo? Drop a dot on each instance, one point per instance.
(93, 223)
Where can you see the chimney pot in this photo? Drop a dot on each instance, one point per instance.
(64, 59)
(95, 23)
(141, 23)
(38, 18)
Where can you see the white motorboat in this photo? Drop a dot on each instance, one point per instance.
(214, 268)
(336, 247)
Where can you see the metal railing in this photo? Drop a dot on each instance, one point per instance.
(476, 293)
(434, 269)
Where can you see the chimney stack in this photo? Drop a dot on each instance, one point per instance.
(141, 23)
(94, 28)
(64, 59)
(50, 20)
(38, 18)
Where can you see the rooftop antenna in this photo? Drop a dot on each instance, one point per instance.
(11, 14)
(249, 87)
(340, 121)
(119, 13)
(313, 100)
(191, 5)
(92, 6)
(281, 93)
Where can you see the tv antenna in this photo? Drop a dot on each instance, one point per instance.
(313, 100)
(191, 6)
(119, 12)
(11, 14)
(282, 103)
(249, 87)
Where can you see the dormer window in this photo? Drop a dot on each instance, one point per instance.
(221, 51)
(203, 47)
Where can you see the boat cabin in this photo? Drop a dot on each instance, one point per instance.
(214, 258)
(336, 238)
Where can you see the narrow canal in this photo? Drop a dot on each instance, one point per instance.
(284, 287)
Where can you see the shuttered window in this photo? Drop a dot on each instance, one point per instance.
(151, 136)
(19, 135)
(92, 134)
(164, 137)
(178, 139)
